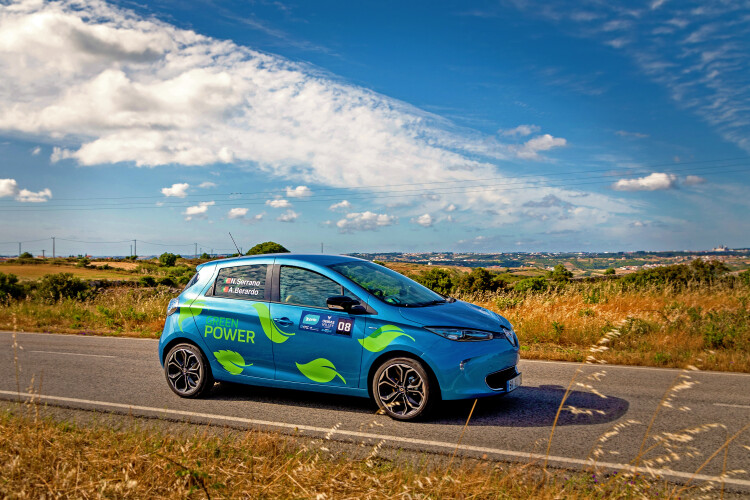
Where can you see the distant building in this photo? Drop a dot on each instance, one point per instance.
(720, 248)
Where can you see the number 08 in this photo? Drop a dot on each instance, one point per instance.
(344, 326)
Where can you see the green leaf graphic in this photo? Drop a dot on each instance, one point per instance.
(233, 362)
(187, 312)
(269, 327)
(320, 370)
(382, 338)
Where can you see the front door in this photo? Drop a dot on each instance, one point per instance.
(232, 319)
(320, 346)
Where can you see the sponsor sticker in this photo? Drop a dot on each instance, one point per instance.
(326, 323)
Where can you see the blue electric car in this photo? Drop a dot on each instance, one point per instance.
(334, 324)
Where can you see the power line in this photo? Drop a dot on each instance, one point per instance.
(541, 184)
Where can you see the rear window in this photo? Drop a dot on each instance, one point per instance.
(242, 282)
(192, 282)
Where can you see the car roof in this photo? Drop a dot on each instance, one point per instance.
(315, 258)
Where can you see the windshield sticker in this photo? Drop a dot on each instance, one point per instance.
(313, 321)
(236, 290)
(382, 338)
(227, 329)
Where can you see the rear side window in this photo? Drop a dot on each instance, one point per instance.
(192, 282)
(242, 282)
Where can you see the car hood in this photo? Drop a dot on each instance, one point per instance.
(458, 314)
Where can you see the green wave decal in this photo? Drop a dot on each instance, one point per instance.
(320, 370)
(233, 362)
(382, 338)
(187, 312)
(269, 327)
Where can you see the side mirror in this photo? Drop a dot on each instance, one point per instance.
(344, 303)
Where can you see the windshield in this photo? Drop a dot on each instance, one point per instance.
(389, 286)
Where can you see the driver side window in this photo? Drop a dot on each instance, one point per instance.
(307, 288)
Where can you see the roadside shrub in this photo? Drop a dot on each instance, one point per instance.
(55, 287)
(10, 288)
(478, 280)
(147, 281)
(167, 259)
(167, 281)
(679, 275)
(83, 262)
(610, 272)
(535, 284)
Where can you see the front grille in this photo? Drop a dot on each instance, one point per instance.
(497, 381)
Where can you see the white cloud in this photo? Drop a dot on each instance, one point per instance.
(692, 180)
(424, 220)
(635, 135)
(26, 196)
(343, 205)
(278, 203)
(450, 208)
(198, 211)
(298, 192)
(288, 216)
(520, 131)
(207, 184)
(178, 190)
(36, 151)
(654, 182)
(364, 221)
(237, 213)
(9, 187)
(530, 149)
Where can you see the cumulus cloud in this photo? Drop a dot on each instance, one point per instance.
(424, 220)
(9, 187)
(343, 205)
(298, 192)
(520, 131)
(278, 203)
(530, 149)
(198, 211)
(450, 208)
(635, 135)
(654, 182)
(241, 214)
(178, 190)
(364, 221)
(207, 185)
(288, 216)
(692, 180)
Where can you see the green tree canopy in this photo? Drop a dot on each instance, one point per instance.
(560, 273)
(436, 279)
(26, 255)
(168, 259)
(267, 247)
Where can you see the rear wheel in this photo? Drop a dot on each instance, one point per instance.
(187, 371)
(402, 389)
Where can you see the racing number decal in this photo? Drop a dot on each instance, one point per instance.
(344, 326)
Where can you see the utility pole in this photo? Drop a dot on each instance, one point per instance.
(53, 247)
(131, 250)
(135, 248)
(43, 254)
(196, 250)
(321, 247)
(19, 248)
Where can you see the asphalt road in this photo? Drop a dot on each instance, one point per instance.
(123, 375)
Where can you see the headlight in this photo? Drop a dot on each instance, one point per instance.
(462, 334)
(172, 307)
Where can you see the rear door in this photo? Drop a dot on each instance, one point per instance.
(320, 346)
(231, 321)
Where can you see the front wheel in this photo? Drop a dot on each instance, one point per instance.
(401, 388)
(187, 371)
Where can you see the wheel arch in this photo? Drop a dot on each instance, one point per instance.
(180, 340)
(402, 354)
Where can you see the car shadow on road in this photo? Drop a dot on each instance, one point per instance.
(525, 407)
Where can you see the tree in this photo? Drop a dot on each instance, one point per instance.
(26, 255)
(609, 272)
(535, 284)
(168, 259)
(478, 280)
(560, 273)
(436, 279)
(205, 256)
(267, 247)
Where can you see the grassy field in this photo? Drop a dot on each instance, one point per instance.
(36, 271)
(42, 458)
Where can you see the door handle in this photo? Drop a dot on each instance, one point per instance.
(283, 321)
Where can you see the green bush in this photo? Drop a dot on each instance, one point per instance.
(437, 279)
(167, 259)
(205, 256)
(55, 287)
(560, 273)
(478, 280)
(147, 281)
(167, 281)
(83, 262)
(535, 284)
(267, 247)
(10, 288)
(26, 255)
(610, 272)
(679, 275)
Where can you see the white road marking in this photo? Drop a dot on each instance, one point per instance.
(565, 461)
(732, 406)
(76, 354)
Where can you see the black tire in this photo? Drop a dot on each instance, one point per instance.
(403, 389)
(187, 371)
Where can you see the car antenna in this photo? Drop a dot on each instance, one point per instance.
(235, 244)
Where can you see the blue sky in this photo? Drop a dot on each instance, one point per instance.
(374, 126)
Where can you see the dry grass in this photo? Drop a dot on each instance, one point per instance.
(36, 271)
(39, 458)
(134, 312)
(709, 328)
